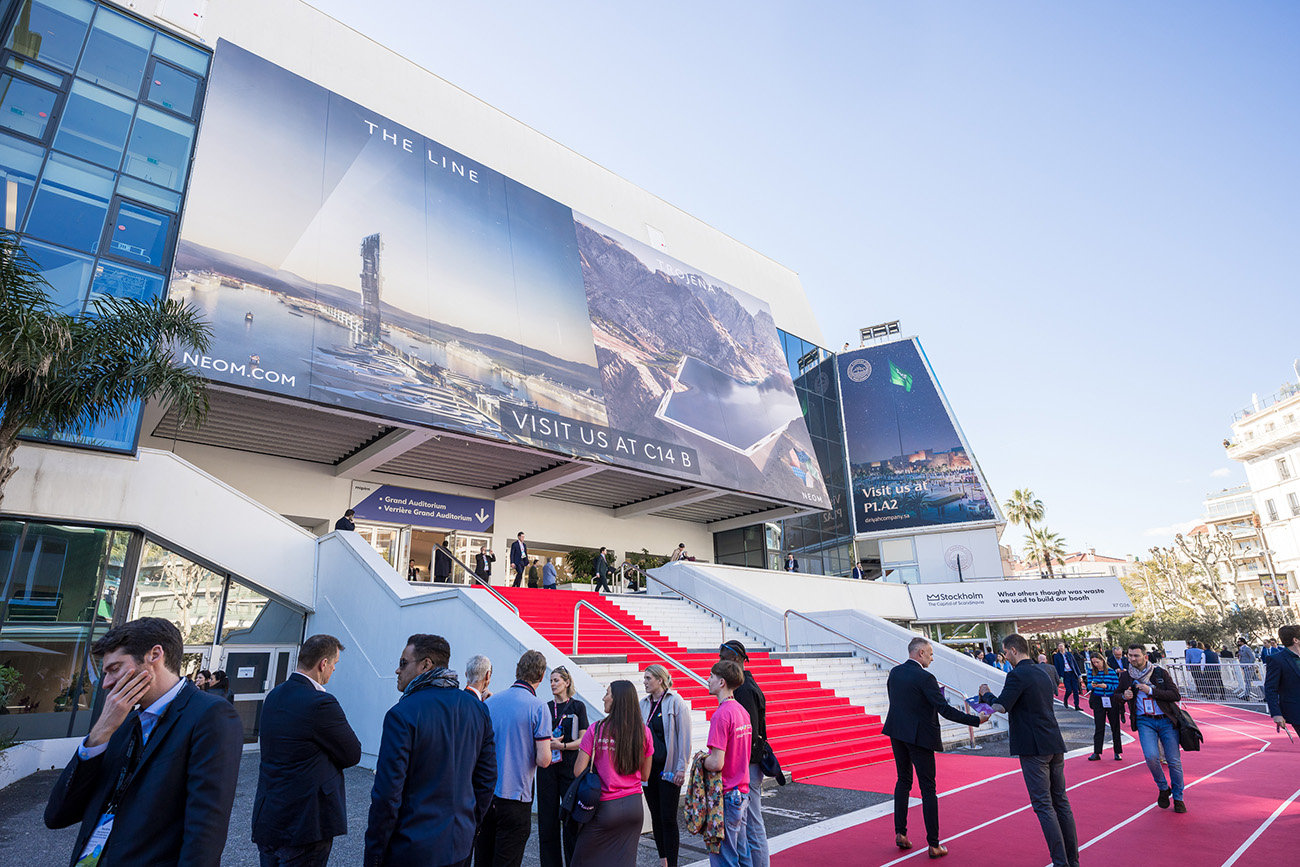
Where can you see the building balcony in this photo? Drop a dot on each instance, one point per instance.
(1264, 441)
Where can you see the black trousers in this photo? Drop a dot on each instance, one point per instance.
(906, 758)
(553, 835)
(662, 797)
(602, 581)
(1072, 686)
(504, 834)
(1045, 782)
(519, 576)
(311, 855)
(1100, 716)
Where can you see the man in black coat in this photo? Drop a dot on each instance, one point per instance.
(749, 695)
(915, 705)
(153, 786)
(306, 743)
(602, 570)
(441, 564)
(1282, 679)
(518, 558)
(483, 561)
(437, 766)
(1027, 696)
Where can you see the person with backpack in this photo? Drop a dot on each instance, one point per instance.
(620, 749)
(1153, 698)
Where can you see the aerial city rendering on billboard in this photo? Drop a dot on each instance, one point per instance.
(909, 466)
(345, 259)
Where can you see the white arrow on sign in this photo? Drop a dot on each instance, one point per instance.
(481, 515)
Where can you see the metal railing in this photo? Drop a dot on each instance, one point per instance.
(1224, 682)
(855, 643)
(582, 603)
(472, 574)
(718, 614)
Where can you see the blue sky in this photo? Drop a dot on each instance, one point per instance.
(1088, 212)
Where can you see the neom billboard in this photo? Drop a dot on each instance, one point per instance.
(345, 259)
(909, 466)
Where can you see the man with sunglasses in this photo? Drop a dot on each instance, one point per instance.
(437, 765)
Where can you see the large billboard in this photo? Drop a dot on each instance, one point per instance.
(345, 259)
(909, 466)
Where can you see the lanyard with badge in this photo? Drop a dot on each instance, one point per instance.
(90, 855)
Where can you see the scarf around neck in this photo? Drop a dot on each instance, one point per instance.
(439, 676)
(1144, 675)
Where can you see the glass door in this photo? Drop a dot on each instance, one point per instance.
(253, 672)
(392, 543)
(466, 548)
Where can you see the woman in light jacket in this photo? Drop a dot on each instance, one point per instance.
(668, 717)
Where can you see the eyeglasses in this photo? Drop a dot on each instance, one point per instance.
(403, 662)
(559, 669)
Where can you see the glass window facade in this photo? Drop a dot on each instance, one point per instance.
(822, 543)
(64, 586)
(97, 124)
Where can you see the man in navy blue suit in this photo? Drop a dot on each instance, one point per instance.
(519, 558)
(1282, 680)
(437, 766)
(154, 785)
(1071, 672)
(306, 743)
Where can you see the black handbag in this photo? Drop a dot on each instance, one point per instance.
(770, 765)
(1189, 735)
(583, 797)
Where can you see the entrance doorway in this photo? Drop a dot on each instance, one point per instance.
(253, 672)
(402, 545)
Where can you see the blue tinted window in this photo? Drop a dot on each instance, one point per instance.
(20, 162)
(67, 273)
(33, 70)
(71, 203)
(117, 433)
(149, 194)
(184, 56)
(25, 107)
(139, 234)
(159, 150)
(173, 89)
(123, 282)
(116, 53)
(94, 126)
(51, 31)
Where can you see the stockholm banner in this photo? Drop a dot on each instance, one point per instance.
(909, 466)
(345, 259)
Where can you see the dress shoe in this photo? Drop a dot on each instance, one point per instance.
(1095, 757)
(901, 841)
(1180, 807)
(938, 851)
(1163, 801)
(1118, 757)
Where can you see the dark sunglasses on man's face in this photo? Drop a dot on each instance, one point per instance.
(403, 662)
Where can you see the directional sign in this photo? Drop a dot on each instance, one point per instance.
(427, 509)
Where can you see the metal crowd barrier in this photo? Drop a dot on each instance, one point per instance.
(1225, 682)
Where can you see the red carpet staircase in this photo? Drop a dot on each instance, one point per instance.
(811, 729)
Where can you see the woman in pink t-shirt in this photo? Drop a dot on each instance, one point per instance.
(622, 749)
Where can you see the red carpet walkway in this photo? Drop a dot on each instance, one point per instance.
(1243, 797)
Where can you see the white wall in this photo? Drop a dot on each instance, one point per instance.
(166, 496)
(932, 553)
(307, 42)
(365, 604)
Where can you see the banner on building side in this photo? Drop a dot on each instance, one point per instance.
(1012, 600)
(909, 465)
(345, 259)
(429, 509)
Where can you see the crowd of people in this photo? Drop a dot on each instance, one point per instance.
(457, 772)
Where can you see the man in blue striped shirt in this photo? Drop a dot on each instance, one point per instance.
(1102, 683)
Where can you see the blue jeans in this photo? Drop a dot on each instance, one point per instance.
(755, 830)
(735, 847)
(1154, 731)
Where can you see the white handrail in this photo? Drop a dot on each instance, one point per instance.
(685, 595)
(582, 603)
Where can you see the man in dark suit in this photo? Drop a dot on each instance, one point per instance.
(441, 564)
(1071, 671)
(791, 564)
(518, 558)
(857, 574)
(346, 522)
(1036, 738)
(1282, 679)
(153, 786)
(437, 766)
(915, 705)
(483, 561)
(602, 570)
(306, 743)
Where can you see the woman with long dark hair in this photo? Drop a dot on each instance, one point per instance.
(220, 686)
(621, 749)
(568, 725)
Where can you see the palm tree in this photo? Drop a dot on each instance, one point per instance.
(1024, 508)
(1042, 546)
(61, 373)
